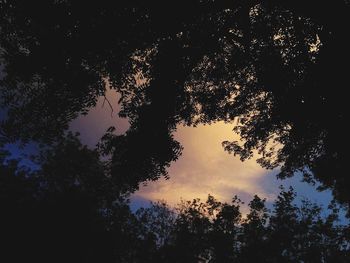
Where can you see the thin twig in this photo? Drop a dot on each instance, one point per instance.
(109, 103)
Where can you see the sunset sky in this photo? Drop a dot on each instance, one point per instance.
(204, 168)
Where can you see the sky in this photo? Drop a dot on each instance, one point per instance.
(204, 167)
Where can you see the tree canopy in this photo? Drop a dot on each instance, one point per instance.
(60, 213)
(51, 218)
(277, 68)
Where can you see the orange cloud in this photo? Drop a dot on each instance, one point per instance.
(206, 168)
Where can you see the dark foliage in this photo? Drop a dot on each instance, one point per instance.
(276, 67)
(56, 215)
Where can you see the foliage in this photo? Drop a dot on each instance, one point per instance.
(275, 67)
(65, 212)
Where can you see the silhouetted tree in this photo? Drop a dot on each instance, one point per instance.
(254, 233)
(226, 231)
(64, 211)
(212, 231)
(191, 237)
(159, 219)
(274, 66)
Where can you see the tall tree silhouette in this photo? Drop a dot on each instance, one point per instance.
(255, 232)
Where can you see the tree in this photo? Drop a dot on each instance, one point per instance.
(255, 233)
(57, 213)
(67, 210)
(224, 238)
(158, 225)
(212, 231)
(192, 229)
(158, 219)
(283, 227)
(274, 66)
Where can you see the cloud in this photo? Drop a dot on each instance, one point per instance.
(205, 168)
